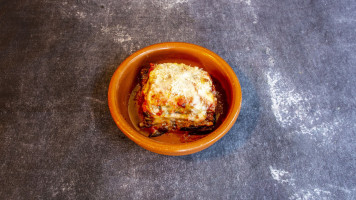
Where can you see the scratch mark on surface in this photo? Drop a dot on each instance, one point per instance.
(92, 116)
(96, 100)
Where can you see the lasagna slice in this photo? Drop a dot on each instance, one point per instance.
(176, 97)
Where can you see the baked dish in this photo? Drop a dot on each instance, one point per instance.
(176, 97)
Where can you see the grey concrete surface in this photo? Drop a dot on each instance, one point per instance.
(295, 137)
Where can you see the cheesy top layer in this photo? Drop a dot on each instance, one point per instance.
(179, 91)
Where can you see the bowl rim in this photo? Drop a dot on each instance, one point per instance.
(175, 149)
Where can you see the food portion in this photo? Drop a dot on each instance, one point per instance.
(176, 97)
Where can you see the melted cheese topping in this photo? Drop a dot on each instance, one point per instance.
(178, 91)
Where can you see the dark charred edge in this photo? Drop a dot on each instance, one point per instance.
(147, 120)
(198, 130)
(157, 133)
(144, 75)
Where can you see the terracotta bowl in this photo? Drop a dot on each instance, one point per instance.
(126, 76)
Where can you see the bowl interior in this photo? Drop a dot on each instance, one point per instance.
(127, 77)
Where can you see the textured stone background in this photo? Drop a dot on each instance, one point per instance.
(295, 137)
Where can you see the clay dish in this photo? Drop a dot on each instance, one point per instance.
(126, 76)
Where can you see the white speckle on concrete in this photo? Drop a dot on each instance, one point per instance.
(69, 10)
(169, 4)
(255, 19)
(288, 106)
(311, 194)
(345, 190)
(81, 14)
(117, 33)
(122, 38)
(303, 192)
(292, 109)
(343, 20)
(252, 11)
(180, 1)
(321, 132)
(281, 176)
(271, 61)
(324, 129)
